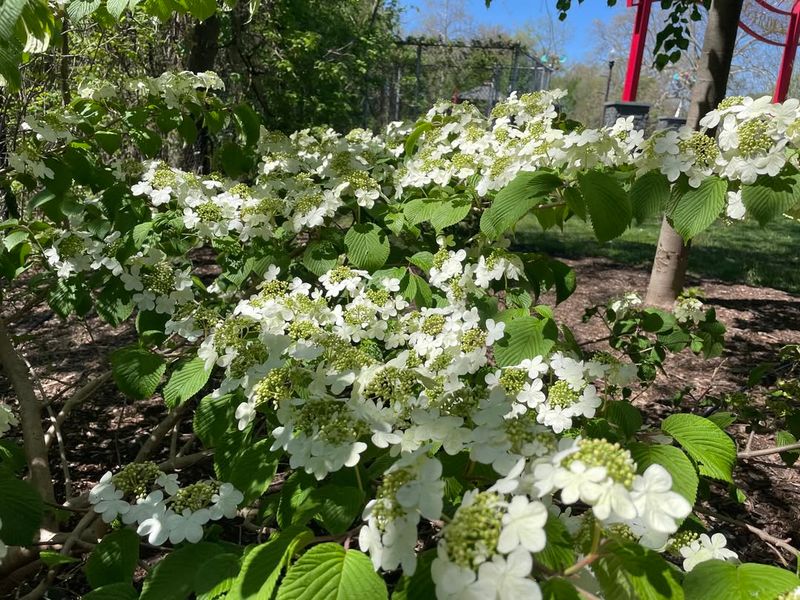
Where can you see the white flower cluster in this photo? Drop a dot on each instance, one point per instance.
(352, 361)
(412, 488)
(307, 178)
(689, 310)
(604, 476)
(706, 548)
(486, 550)
(169, 512)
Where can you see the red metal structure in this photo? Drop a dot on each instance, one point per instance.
(636, 55)
(789, 45)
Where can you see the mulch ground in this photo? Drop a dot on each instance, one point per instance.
(107, 430)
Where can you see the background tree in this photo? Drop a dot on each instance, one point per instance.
(672, 253)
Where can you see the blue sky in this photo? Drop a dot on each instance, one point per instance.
(512, 13)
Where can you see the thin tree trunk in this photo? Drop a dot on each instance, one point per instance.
(66, 95)
(672, 255)
(30, 413)
(203, 49)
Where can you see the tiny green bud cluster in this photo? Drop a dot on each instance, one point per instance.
(753, 137)
(160, 279)
(561, 395)
(137, 479)
(386, 507)
(473, 533)
(194, 496)
(618, 462)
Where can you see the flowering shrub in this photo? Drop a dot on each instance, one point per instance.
(377, 364)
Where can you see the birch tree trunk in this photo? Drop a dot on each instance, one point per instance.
(672, 254)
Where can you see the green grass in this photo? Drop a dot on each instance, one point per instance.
(741, 252)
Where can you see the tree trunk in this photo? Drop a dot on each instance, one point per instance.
(203, 49)
(672, 255)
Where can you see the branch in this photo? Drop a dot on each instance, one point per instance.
(760, 533)
(181, 462)
(30, 412)
(77, 398)
(160, 432)
(767, 451)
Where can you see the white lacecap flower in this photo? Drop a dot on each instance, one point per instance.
(706, 548)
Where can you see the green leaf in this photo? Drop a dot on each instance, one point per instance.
(320, 256)
(186, 380)
(699, 207)
(216, 576)
(148, 141)
(684, 475)
(114, 591)
(329, 572)
(558, 554)
(770, 197)
(449, 213)
(339, 507)
(624, 415)
(367, 246)
(140, 233)
(173, 576)
(253, 469)
(525, 337)
(114, 304)
(52, 558)
(21, 510)
(62, 298)
(13, 239)
(420, 210)
(710, 447)
(212, 418)
(784, 438)
(110, 141)
(201, 9)
(423, 260)
(556, 588)
(608, 204)
(631, 572)
(716, 579)
(262, 565)
(12, 456)
(722, 419)
(137, 372)
(249, 123)
(80, 9)
(413, 137)
(514, 201)
(114, 559)
(649, 195)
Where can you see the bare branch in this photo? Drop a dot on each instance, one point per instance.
(767, 451)
(81, 395)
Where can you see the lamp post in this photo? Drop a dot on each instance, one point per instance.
(611, 56)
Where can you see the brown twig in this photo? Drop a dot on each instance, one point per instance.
(81, 395)
(760, 533)
(767, 451)
(160, 432)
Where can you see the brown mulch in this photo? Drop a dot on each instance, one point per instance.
(107, 430)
